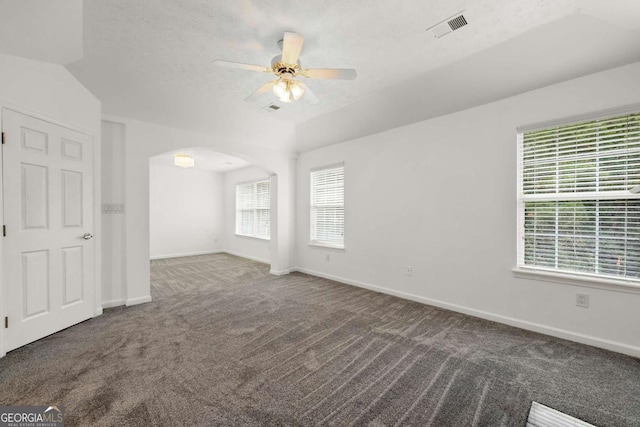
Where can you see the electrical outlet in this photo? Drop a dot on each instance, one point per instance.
(582, 300)
(408, 270)
(328, 257)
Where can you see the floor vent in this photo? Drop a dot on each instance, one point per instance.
(447, 26)
(543, 416)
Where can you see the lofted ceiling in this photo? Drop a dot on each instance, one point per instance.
(45, 30)
(143, 54)
(152, 60)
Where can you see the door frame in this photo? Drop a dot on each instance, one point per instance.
(97, 211)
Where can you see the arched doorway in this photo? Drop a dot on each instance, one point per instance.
(128, 146)
(202, 201)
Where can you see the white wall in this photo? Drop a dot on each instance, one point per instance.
(248, 247)
(114, 281)
(440, 196)
(50, 92)
(186, 215)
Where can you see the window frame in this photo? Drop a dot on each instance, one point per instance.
(312, 242)
(571, 277)
(238, 232)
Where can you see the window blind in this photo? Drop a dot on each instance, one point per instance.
(327, 206)
(253, 209)
(576, 213)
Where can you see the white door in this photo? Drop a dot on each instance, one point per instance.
(48, 211)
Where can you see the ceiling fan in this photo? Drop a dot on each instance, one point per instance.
(287, 67)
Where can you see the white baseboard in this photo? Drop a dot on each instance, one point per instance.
(213, 251)
(98, 312)
(139, 300)
(241, 255)
(114, 303)
(518, 323)
(217, 251)
(280, 272)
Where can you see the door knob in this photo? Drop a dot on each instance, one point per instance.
(87, 236)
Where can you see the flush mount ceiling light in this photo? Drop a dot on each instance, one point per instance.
(184, 161)
(287, 67)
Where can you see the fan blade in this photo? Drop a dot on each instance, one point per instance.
(264, 88)
(291, 46)
(308, 95)
(330, 73)
(249, 67)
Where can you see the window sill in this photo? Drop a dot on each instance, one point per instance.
(266, 239)
(326, 246)
(627, 286)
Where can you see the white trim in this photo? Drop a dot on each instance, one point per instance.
(551, 166)
(312, 223)
(326, 246)
(96, 141)
(589, 281)
(329, 166)
(2, 270)
(252, 237)
(571, 120)
(518, 323)
(253, 181)
(139, 300)
(254, 193)
(97, 217)
(114, 303)
(214, 251)
(281, 272)
(253, 258)
(46, 118)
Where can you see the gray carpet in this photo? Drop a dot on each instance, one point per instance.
(225, 343)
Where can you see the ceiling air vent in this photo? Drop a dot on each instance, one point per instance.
(457, 22)
(450, 24)
(270, 108)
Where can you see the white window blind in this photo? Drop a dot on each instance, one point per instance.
(253, 209)
(576, 213)
(327, 206)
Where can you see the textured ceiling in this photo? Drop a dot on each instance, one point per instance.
(152, 59)
(567, 48)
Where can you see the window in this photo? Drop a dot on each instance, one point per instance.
(327, 207)
(576, 213)
(253, 213)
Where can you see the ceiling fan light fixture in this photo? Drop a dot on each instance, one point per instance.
(296, 90)
(184, 161)
(286, 67)
(280, 89)
(287, 90)
(286, 97)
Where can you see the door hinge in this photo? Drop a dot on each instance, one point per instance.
(6, 322)
(4, 231)
(4, 137)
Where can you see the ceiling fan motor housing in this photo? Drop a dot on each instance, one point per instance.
(280, 67)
